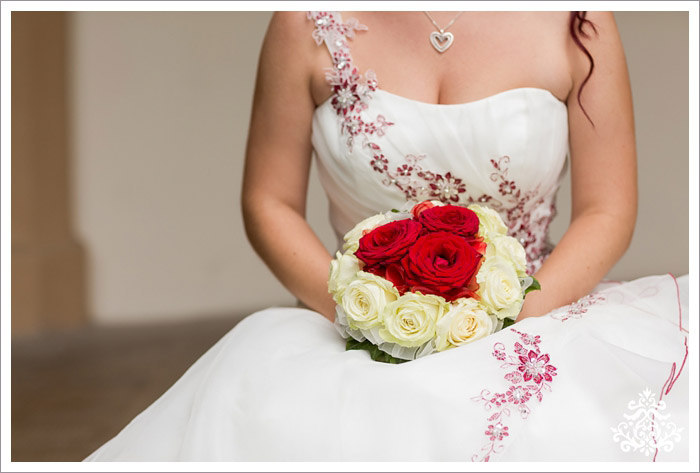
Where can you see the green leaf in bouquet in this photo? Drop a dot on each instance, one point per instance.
(374, 352)
(395, 211)
(352, 344)
(535, 286)
(507, 323)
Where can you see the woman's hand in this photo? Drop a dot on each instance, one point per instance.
(278, 158)
(603, 174)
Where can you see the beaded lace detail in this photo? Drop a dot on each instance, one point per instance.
(527, 221)
(351, 91)
(580, 307)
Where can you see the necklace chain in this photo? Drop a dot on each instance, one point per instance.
(442, 30)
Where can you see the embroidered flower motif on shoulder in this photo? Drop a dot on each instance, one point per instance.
(530, 375)
(328, 26)
(351, 91)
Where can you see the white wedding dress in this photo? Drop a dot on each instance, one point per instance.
(602, 379)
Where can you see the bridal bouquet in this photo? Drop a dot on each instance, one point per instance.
(428, 278)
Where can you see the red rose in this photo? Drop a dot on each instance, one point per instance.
(441, 263)
(450, 218)
(418, 208)
(388, 243)
(395, 274)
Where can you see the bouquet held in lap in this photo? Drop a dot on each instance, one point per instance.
(427, 279)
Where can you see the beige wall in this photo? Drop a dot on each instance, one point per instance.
(161, 109)
(161, 103)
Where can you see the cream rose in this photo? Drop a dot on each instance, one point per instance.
(509, 249)
(410, 321)
(499, 288)
(344, 269)
(465, 322)
(365, 300)
(352, 238)
(489, 220)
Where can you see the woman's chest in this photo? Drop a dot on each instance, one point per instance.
(490, 52)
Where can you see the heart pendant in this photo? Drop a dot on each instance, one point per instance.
(441, 41)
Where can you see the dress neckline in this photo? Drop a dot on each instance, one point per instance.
(345, 78)
(545, 93)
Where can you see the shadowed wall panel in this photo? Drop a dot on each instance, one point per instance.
(47, 261)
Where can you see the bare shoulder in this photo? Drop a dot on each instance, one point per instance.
(600, 36)
(598, 30)
(290, 27)
(547, 36)
(554, 24)
(288, 46)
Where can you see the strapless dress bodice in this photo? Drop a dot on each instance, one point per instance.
(507, 151)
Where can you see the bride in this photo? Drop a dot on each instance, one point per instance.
(463, 107)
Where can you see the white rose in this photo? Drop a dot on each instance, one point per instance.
(489, 220)
(509, 249)
(465, 322)
(352, 238)
(499, 288)
(344, 269)
(410, 320)
(400, 215)
(365, 299)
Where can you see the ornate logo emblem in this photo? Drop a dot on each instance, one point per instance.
(646, 429)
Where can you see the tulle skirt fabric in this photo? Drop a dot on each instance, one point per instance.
(602, 379)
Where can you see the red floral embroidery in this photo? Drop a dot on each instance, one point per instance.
(447, 187)
(417, 183)
(580, 307)
(530, 374)
(517, 395)
(534, 367)
(351, 91)
(496, 432)
(529, 231)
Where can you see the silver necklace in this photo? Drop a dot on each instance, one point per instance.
(442, 39)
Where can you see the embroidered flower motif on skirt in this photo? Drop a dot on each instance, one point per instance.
(530, 374)
(580, 307)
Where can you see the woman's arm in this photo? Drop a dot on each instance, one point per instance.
(278, 158)
(603, 174)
